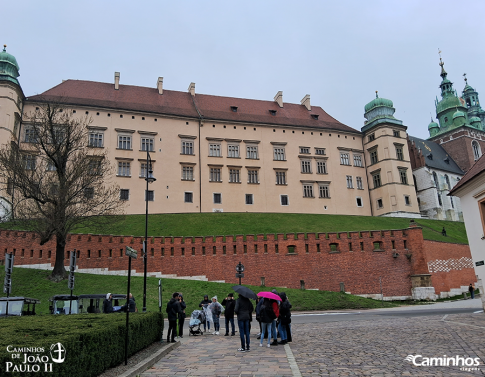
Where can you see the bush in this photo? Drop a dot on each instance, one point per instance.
(93, 342)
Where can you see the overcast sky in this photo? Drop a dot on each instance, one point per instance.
(339, 52)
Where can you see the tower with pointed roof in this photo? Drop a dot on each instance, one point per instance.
(387, 160)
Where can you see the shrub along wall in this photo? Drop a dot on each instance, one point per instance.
(92, 342)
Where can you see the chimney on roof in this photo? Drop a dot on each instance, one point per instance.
(306, 102)
(117, 80)
(160, 85)
(278, 98)
(192, 88)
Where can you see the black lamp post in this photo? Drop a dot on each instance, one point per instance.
(240, 270)
(149, 179)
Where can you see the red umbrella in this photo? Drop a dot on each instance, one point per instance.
(270, 295)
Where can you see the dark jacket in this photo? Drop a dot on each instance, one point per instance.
(266, 313)
(204, 303)
(173, 309)
(285, 314)
(258, 308)
(107, 306)
(183, 305)
(229, 305)
(131, 306)
(244, 309)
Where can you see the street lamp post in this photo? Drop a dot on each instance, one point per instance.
(240, 270)
(149, 179)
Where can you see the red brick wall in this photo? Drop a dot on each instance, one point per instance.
(313, 260)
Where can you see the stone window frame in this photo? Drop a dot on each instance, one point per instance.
(186, 196)
(187, 144)
(350, 181)
(185, 169)
(403, 175)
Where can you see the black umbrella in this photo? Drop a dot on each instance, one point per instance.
(245, 291)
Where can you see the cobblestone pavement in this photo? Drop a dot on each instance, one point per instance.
(348, 348)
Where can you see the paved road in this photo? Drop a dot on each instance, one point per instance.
(374, 343)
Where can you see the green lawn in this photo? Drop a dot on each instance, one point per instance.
(212, 224)
(34, 283)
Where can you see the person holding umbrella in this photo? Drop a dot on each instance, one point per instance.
(244, 309)
(267, 316)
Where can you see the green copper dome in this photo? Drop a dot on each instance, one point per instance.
(9, 69)
(468, 88)
(377, 102)
(475, 119)
(432, 125)
(458, 114)
(447, 103)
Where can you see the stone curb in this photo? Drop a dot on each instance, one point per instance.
(142, 366)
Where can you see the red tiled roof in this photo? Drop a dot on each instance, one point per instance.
(477, 168)
(136, 98)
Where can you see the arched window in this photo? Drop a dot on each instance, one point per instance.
(447, 179)
(476, 150)
(435, 179)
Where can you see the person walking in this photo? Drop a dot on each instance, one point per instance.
(471, 289)
(284, 318)
(216, 310)
(244, 309)
(182, 315)
(229, 303)
(108, 304)
(267, 316)
(173, 310)
(204, 304)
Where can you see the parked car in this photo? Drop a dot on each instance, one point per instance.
(18, 306)
(90, 303)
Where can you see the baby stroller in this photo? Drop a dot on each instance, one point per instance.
(196, 319)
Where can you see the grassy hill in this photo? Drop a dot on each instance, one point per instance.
(211, 224)
(34, 283)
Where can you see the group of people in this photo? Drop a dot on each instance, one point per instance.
(274, 317)
(108, 305)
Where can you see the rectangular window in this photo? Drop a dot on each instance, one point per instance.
(403, 176)
(279, 154)
(358, 160)
(308, 191)
(304, 150)
(379, 203)
(373, 156)
(372, 137)
(187, 147)
(324, 191)
(96, 139)
(359, 202)
(358, 180)
(9, 187)
(149, 195)
(188, 197)
(253, 176)
(396, 133)
(252, 152)
(124, 169)
(30, 135)
(350, 183)
(29, 162)
(344, 159)
(51, 166)
(217, 198)
(321, 167)
(215, 150)
(215, 175)
(249, 198)
(233, 151)
(187, 173)
(124, 194)
(407, 200)
(143, 170)
(376, 178)
(89, 193)
(234, 176)
(281, 178)
(306, 166)
(147, 143)
(94, 167)
(124, 142)
(320, 151)
(284, 200)
(399, 153)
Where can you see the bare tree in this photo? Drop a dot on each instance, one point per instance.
(60, 182)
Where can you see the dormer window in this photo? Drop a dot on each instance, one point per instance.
(446, 160)
(430, 156)
(315, 116)
(272, 112)
(234, 109)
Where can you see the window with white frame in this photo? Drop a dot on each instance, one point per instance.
(233, 151)
(96, 139)
(358, 181)
(187, 173)
(308, 190)
(477, 152)
(30, 134)
(323, 191)
(253, 176)
(234, 176)
(215, 150)
(281, 177)
(279, 153)
(358, 160)
(252, 152)
(304, 150)
(344, 158)
(124, 141)
(147, 144)
(215, 175)
(306, 166)
(359, 201)
(217, 197)
(320, 151)
(249, 198)
(187, 147)
(29, 162)
(321, 167)
(124, 169)
(350, 183)
(124, 194)
(143, 169)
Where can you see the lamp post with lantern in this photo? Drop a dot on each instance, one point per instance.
(149, 178)
(240, 270)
